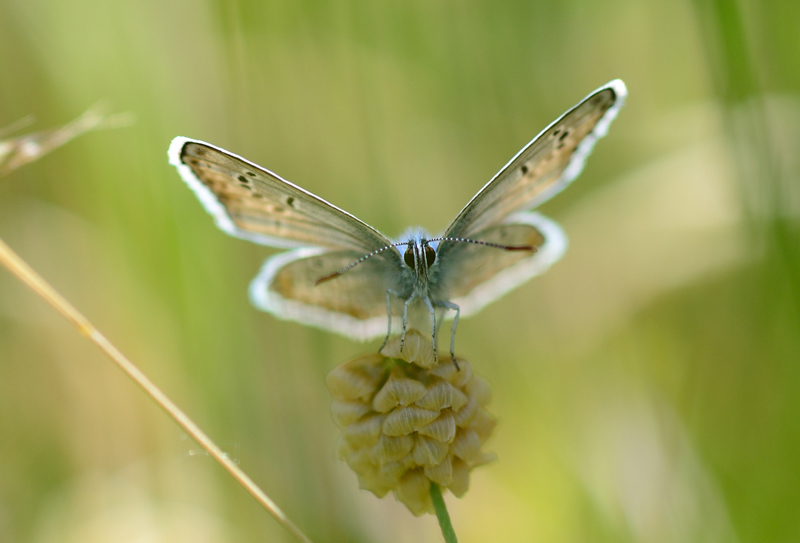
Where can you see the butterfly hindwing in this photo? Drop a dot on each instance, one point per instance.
(474, 275)
(353, 304)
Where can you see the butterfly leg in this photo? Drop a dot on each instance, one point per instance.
(451, 305)
(405, 321)
(439, 318)
(389, 314)
(433, 325)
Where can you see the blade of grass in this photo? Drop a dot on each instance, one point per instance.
(751, 134)
(27, 275)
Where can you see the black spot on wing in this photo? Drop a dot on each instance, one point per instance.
(561, 142)
(524, 169)
(290, 201)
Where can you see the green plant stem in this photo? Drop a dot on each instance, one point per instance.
(441, 514)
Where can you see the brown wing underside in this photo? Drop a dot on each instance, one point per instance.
(360, 292)
(468, 265)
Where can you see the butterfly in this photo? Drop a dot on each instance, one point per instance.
(345, 276)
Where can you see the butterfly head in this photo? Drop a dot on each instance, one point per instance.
(420, 252)
(419, 255)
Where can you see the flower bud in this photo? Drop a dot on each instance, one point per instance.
(408, 420)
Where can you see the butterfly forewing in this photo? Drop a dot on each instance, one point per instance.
(255, 204)
(543, 167)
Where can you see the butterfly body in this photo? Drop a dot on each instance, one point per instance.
(345, 276)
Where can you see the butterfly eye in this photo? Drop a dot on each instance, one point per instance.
(430, 255)
(408, 256)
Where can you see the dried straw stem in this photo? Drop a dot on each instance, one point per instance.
(27, 275)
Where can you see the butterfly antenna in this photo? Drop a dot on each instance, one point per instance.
(352, 265)
(489, 244)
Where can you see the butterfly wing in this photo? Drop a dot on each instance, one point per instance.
(353, 304)
(543, 167)
(474, 275)
(252, 203)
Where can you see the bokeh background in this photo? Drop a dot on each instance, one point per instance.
(648, 387)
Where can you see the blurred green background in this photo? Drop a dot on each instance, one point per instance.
(647, 387)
